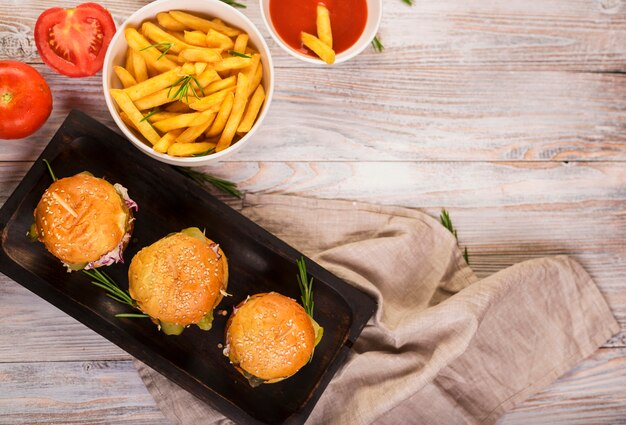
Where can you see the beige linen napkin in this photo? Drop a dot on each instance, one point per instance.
(443, 347)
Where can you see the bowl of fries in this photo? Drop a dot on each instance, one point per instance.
(188, 83)
(321, 42)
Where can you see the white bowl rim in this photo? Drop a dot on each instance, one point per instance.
(156, 6)
(339, 58)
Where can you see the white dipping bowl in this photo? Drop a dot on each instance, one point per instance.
(116, 55)
(374, 15)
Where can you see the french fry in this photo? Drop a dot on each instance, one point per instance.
(163, 38)
(152, 85)
(179, 107)
(204, 25)
(239, 104)
(201, 54)
(166, 21)
(189, 149)
(252, 110)
(256, 79)
(194, 131)
(241, 42)
(196, 38)
(126, 105)
(151, 54)
(222, 116)
(127, 121)
(212, 101)
(199, 67)
(250, 70)
(167, 140)
(235, 62)
(217, 39)
(324, 52)
(324, 31)
(179, 121)
(129, 62)
(218, 85)
(168, 94)
(162, 115)
(174, 58)
(125, 77)
(141, 70)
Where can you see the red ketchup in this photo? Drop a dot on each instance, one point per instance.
(347, 20)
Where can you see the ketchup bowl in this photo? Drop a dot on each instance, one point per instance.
(354, 25)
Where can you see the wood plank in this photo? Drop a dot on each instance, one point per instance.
(32, 330)
(75, 393)
(397, 116)
(591, 393)
(574, 35)
(112, 392)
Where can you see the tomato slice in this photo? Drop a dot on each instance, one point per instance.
(73, 42)
(25, 100)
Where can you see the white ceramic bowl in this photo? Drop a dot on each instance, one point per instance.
(374, 15)
(211, 8)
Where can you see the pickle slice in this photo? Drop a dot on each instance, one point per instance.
(319, 331)
(194, 232)
(171, 328)
(32, 234)
(207, 321)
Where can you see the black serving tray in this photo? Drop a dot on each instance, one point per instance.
(169, 201)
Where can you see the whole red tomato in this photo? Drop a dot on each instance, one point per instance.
(25, 100)
(74, 41)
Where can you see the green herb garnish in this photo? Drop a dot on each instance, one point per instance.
(447, 223)
(377, 45)
(409, 2)
(149, 114)
(306, 287)
(234, 4)
(104, 281)
(186, 83)
(45, 161)
(241, 55)
(221, 184)
(165, 45)
(206, 152)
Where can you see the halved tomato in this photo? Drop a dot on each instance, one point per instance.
(73, 42)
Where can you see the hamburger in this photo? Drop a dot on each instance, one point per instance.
(84, 221)
(269, 337)
(179, 280)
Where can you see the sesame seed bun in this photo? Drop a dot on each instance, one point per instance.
(179, 278)
(270, 337)
(82, 218)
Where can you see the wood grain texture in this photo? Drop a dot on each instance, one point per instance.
(592, 393)
(75, 393)
(510, 114)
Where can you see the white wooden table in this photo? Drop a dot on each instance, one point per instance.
(509, 113)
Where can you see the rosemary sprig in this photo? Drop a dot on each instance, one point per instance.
(377, 45)
(224, 185)
(104, 281)
(236, 53)
(186, 83)
(234, 4)
(165, 45)
(45, 161)
(447, 223)
(206, 152)
(149, 114)
(306, 287)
